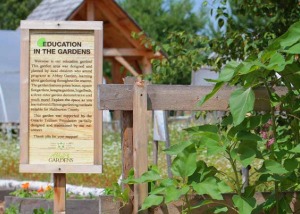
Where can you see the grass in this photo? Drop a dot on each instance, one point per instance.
(9, 160)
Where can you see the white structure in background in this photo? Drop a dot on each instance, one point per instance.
(199, 79)
(159, 126)
(9, 76)
(9, 80)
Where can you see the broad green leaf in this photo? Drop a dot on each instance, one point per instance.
(214, 147)
(295, 49)
(210, 187)
(288, 38)
(247, 156)
(274, 167)
(241, 102)
(152, 200)
(211, 94)
(168, 182)
(284, 206)
(244, 205)
(249, 123)
(277, 62)
(148, 176)
(296, 149)
(172, 193)
(202, 128)
(178, 148)
(249, 191)
(248, 136)
(202, 172)
(227, 73)
(157, 190)
(290, 164)
(223, 187)
(184, 164)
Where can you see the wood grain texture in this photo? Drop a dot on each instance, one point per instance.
(65, 25)
(111, 16)
(98, 130)
(24, 81)
(126, 65)
(59, 193)
(112, 52)
(127, 143)
(140, 142)
(46, 168)
(90, 10)
(176, 97)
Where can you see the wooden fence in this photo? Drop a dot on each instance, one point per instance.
(135, 98)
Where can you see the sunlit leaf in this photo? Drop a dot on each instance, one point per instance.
(210, 187)
(184, 164)
(274, 167)
(241, 102)
(244, 205)
(152, 200)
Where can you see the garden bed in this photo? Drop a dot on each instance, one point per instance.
(103, 204)
(106, 204)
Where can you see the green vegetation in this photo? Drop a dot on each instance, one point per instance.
(13, 11)
(160, 17)
(243, 137)
(14, 209)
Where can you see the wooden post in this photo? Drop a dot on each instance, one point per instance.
(140, 142)
(155, 152)
(59, 193)
(127, 142)
(90, 13)
(168, 157)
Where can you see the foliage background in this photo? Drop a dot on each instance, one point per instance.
(12, 11)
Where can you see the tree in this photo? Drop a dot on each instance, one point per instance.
(159, 17)
(251, 24)
(12, 11)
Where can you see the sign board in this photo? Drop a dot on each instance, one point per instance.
(61, 66)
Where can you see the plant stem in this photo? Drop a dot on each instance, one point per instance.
(272, 156)
(235, 174)
(187, 202)
(232, 208)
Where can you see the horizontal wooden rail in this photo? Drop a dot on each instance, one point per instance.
(175, 97)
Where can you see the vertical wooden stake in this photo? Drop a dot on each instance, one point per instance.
(140, 141)
(169, 160)
(59, 193)
(127, 143)
(155, 152)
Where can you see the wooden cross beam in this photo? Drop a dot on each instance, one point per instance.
(175, 97)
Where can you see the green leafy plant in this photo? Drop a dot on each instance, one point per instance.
(42, 211)
(277, 65)
(119, 194)
(244, 137)
(23, 192)
(12, 209)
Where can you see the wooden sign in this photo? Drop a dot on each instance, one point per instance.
(61, 66)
